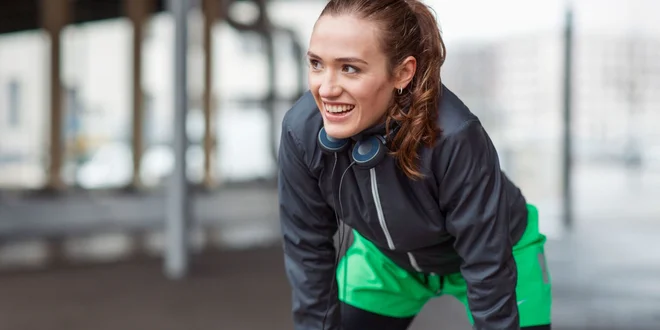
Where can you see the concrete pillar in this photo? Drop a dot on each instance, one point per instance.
(54, 17)
(177, 226)
(138, 13)
(211, 11)
(55, 14)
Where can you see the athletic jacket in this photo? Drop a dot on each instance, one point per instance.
(464, 215)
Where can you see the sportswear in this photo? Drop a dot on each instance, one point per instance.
(464, 215)
(370, 281)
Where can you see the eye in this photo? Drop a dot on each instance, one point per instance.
(314, 64)
(350, 69)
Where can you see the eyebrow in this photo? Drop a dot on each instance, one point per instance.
(340, 59)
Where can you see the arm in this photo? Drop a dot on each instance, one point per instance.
(308, 225)
(473, 192)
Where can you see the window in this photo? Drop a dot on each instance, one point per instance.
(14, 99)
(73, 113)
(148, 130)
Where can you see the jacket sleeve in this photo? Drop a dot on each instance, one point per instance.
(472, 190)
(308, 225)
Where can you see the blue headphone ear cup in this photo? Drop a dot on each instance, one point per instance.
(331, 145)
(369, 152)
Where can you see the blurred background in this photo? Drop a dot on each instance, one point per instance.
(138, 142)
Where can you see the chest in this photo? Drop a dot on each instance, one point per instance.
(385, 206)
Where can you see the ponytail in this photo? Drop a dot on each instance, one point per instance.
(416, 110)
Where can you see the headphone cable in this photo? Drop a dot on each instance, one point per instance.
(341, 235)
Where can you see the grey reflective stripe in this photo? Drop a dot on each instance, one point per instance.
(544, 267)
(413, 262)
(379, 208)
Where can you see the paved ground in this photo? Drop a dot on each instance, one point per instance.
(236, 290)
(247, 290)
(605, 271)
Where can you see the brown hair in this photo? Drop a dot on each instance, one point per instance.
(408, 28)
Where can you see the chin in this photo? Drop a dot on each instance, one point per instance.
(338, 131)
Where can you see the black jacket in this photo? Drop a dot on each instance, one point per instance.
(465, 215)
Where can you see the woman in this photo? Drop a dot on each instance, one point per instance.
(380, 144)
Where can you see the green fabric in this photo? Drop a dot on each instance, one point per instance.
(369, 280)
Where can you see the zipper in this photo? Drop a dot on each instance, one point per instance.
(381, 219)
(413, 262)
(379, 208)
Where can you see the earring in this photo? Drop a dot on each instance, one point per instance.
(400, 90)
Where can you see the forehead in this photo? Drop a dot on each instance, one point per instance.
(345, 35)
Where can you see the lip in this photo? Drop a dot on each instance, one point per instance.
(337, 117)
(336, 103)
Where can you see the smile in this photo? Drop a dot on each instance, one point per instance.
(338, 108)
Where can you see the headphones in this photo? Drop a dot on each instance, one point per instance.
(366, 154)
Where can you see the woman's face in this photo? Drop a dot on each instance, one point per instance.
(348, 74)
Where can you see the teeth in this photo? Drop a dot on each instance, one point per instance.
(338, 108)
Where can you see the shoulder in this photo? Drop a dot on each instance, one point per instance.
(463, 139)
(454, 117)
(300, 126)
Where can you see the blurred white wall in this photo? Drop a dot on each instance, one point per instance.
(516, 44)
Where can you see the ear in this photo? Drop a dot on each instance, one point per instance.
(405, 72)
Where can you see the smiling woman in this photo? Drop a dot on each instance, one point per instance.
(359, 72)
(382, 145)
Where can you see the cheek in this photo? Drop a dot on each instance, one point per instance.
(367, 91)
(374, 97)
(312, 82)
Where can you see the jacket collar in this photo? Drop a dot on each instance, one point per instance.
(377, 129)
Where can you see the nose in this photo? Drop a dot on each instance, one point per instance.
(329, 87)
